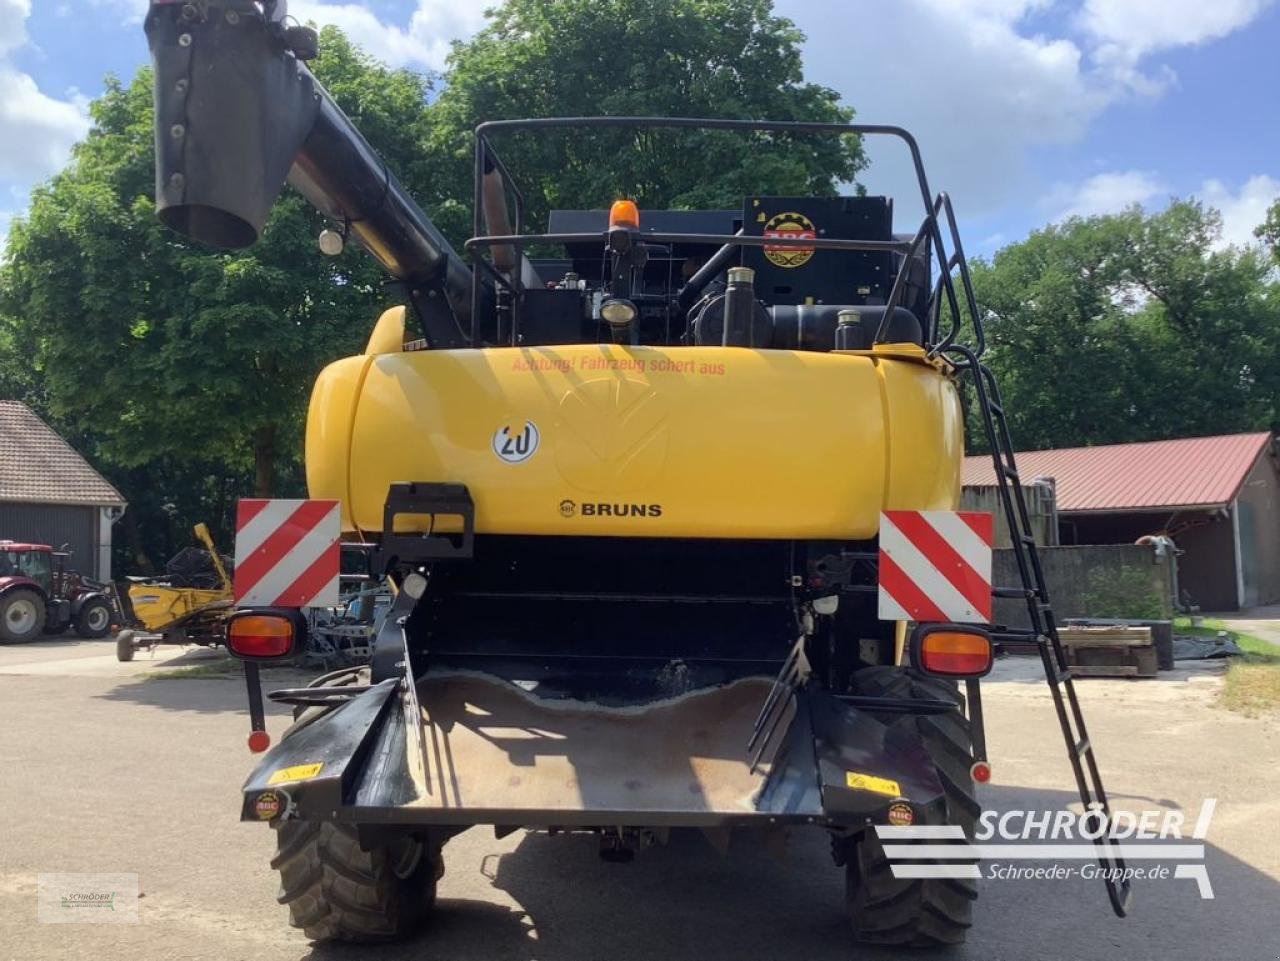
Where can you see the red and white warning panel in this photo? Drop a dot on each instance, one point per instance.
(936, 566)
(287, 553)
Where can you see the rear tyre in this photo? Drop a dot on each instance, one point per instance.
(21, 615)
(124, 646)
(916, 912)
(94, 618)
(336, 891)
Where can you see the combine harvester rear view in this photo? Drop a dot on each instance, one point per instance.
(632, 502)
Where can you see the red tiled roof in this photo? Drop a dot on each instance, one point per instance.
(37, 465)
(1189, 472)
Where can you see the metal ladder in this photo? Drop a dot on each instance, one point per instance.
(1044, 629)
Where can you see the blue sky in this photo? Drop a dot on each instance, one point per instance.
(1027, 110)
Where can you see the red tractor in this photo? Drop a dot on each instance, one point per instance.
(39, 594)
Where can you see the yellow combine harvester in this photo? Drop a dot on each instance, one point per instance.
(631, 502)
(160, 611)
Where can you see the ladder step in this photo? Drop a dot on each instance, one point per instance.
(1082, 747)
(1017, 635)
(997, 409)
(1027, 539)
(1019, 593)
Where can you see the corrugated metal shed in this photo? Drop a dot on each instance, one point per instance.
(38, 466)
(1192, 472)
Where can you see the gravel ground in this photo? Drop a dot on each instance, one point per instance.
(106, 769)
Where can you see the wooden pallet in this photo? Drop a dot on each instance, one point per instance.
(1110, 651)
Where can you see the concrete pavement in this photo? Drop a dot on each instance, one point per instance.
(119, 772)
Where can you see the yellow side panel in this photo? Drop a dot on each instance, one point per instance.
(329, 424)
(638, 441)
(924, 468)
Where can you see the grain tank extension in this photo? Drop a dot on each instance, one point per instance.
(629, 491)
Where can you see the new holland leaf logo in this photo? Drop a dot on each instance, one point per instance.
(612, 435)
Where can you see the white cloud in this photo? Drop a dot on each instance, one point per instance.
(1125, 31)
(1143, 26)
(959, 74)
(424, 42)
(985, 83)
(1242, 210)
(37, 130)
(1104, 193)
(13, 24)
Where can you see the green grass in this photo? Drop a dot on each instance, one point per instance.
(223, 667)
(1252, 684)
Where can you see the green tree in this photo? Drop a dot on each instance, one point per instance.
(186, 349)
(684, 58)
(167, 361)
(1269, 230)
(1132, 327)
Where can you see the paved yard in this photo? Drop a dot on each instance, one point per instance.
(107, 770)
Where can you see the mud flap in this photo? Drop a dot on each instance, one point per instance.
(316, 771)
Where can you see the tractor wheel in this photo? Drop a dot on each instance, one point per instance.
(336, 891)
(124, 646)
(916, 912)
(21, 615)
(94, 618)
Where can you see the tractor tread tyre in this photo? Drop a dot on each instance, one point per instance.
(916, 912)
(82, 619)
(124, 646)
(11, 597)
(336, 891)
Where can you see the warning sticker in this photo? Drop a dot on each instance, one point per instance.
(789, 224)
(299, 772)
(876, 785)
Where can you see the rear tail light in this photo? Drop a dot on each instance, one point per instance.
(260, 636)
(952, 650)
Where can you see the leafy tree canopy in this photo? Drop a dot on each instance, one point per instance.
(151, 351)
(693, 58)
(1136, 326)
(1269, 231)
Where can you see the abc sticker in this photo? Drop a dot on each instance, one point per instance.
(789, 224)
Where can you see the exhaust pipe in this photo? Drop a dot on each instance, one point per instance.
(238, 113)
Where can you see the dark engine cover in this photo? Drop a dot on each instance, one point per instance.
(802, 276)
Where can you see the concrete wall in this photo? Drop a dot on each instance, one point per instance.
(1258, 507)
(1040, 505)
(1106, 580)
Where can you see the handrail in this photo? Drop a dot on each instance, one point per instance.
(930, 231)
